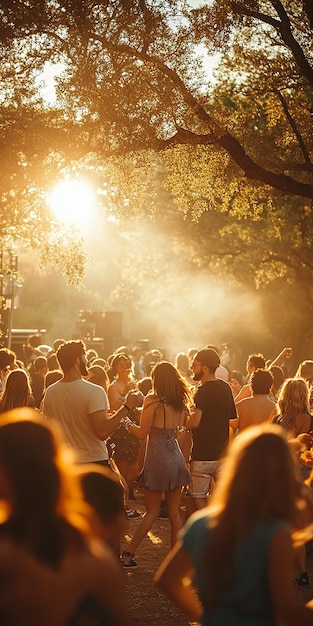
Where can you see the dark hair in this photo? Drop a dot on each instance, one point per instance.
(262, 381)
(57, 343)
(145, 385)
(6, 357)
(98, 376)
(39, 363)
(34, 340)
(170, 385)
(103, 492)
(52, 377)
(53, 363)
(237, 376)
(68, 353)
(257, 360)
(182, 361)
(279, 377)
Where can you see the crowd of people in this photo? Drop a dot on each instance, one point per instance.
(79, 433)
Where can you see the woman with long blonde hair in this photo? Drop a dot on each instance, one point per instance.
(294, 407)
(238, 550)
(16, 392)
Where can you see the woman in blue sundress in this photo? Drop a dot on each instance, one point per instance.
(165, 470)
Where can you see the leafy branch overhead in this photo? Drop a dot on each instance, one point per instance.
(131, 76)
(132, 84)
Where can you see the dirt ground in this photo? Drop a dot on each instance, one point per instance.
(149, 607)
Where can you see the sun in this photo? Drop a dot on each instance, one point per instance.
(72, 201)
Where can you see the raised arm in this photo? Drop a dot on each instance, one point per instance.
(174, 578)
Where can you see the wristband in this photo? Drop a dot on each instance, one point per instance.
(127, 423)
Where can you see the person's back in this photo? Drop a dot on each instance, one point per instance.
(255, 410)
(80, 407)
(259, 407)
(247, 602)
(211, 436)
(70, 404)
(238, 551)
(40, 368)
(72, 401)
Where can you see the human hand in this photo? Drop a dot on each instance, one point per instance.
(287, 353)
(131, 385)
(235, 385)
(134, 399)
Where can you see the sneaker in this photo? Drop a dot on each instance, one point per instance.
(302, 579)
(131, 514)
(128, 561)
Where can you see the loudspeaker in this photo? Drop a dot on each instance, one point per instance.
(101, 327)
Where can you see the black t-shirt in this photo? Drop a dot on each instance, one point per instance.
(215, 399)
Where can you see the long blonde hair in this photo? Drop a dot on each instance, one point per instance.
(293, 399)
(16, 391)
(257, 483)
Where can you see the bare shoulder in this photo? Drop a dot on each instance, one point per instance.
(151, 398)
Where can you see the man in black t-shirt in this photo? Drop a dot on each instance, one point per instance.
(214, 407)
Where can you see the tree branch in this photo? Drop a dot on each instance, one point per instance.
(282, 26)
(294, 127)
(252, 170)
(308, 8)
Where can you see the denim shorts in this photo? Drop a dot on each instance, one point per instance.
(201, 474)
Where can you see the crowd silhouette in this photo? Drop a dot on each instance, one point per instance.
(81, 433)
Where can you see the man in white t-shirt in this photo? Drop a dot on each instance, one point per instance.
(80, 407)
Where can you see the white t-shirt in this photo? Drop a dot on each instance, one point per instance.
(222, 373)
(70, 404)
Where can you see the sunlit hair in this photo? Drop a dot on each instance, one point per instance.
(182, 361)
(262, 381)
(16, 391)
(257, 484)
(256, 360)
(293, 399)
(46, 509)
(68, 352)
(52, 377)
(98, 376)
(170, 386)
(116, 361)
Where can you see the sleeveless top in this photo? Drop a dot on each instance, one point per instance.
(165, 467)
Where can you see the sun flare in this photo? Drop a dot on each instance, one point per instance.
(71, 201)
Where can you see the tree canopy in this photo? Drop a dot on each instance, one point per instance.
(132, 78)
(135, 103)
